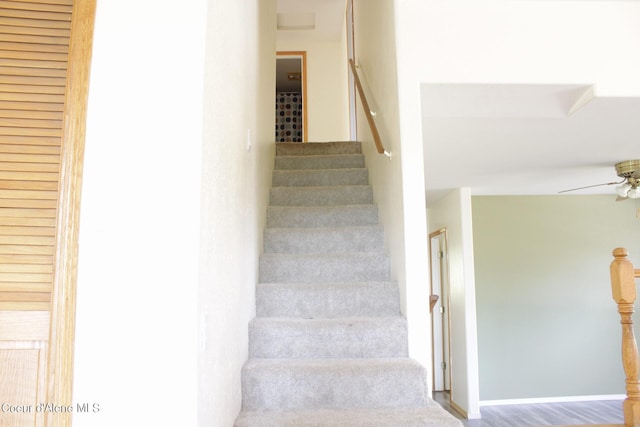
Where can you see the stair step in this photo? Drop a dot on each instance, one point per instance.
(351, 267)
(340, 161)
(318, 148)
(324, 240)
(351, 337)
(327, 300)
(322, 216)
(321, 196)
(320, 177)
(275, 384)
(328, 346)
(430, 415)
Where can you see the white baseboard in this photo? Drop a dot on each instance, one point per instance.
(465, 414)
(561, 399)
(474, 416)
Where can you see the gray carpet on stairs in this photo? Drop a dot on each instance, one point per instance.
(430, 415)
(327, 300)
(329, 346)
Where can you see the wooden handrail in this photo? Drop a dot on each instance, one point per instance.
(623, 288)
(368, 112)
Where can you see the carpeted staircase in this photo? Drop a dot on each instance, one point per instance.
(329, 346)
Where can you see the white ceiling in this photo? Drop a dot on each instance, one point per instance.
(505, 139)
(525, 139)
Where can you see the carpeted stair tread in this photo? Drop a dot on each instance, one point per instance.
(327, 300)
(348, 267)
(329, 345)
(429, 415)
(349, 337)
(324, 239)
(314, 148)
(284, 384)
(331, 195)
(322, 216)
(340, 161)
(320, 177)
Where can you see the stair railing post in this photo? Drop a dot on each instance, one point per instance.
(623, 288)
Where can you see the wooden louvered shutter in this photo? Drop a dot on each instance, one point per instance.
(34, 45)
(39, 161)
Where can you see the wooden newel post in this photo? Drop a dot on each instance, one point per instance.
(623, 288)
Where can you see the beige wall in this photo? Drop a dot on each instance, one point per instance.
(327, 95)
(547, 325)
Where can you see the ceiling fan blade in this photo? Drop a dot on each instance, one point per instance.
(620, 198)
(591, 186)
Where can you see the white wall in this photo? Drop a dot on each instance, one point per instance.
(582, 42)
(239, 110)
(327, 95)
(453, 212)
(173, 208)
(136, 337)
(398, 182)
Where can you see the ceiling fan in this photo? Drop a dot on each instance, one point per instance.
(629, 171)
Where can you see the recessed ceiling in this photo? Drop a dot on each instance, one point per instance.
(525, 139)
(300, 21)
(311, 20)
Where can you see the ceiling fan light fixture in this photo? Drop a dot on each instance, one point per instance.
(634, 193)
(623, 189)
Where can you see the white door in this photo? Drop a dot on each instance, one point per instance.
(440, 313)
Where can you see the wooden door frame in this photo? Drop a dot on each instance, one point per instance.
(305, 112)
(59, 379)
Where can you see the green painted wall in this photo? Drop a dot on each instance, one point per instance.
(547, 325)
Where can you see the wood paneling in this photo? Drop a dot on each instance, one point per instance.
(23, 354)
(19, 367)
(24, 325)
(34, 50)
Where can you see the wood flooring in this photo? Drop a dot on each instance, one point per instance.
(605, 413)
